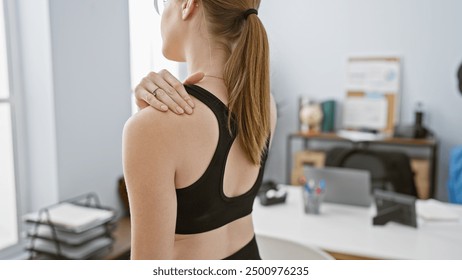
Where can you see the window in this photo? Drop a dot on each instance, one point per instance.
(8, 207)
(146, 43)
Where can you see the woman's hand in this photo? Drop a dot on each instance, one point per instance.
(163, 91)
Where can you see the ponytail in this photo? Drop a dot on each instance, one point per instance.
(246, 72)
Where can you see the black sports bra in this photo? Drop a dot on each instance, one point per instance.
(203, 206)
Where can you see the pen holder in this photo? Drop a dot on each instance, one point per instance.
(312, 202)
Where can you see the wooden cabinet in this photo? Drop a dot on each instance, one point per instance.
(421, 168)
(302, 158)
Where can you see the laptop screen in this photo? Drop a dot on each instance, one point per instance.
(343, 185)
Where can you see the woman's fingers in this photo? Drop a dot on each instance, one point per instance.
(166, 99)
(140, 97)
(157, 89)
(148, 98)
(176, 92)
(160, 86)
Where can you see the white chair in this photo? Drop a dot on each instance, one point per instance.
(272, 248)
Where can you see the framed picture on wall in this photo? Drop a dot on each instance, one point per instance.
(372, 94)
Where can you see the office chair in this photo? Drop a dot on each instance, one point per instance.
(123, 195)
(390, 170)
(272, 248)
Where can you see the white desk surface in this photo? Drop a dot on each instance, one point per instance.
(348, 230)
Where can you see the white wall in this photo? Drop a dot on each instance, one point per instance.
(74, 80)
(312, 39)
(34, 84)
(91, 80)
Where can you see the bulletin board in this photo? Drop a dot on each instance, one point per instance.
(373, 93)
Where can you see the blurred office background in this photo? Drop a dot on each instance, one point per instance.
(72, 69)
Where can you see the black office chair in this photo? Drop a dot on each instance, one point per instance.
(390, 170)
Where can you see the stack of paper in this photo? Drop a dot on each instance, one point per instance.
(358, 136)
(71, 231)
(73, 239)
(73, 252)
(433, 210)
(73, 217)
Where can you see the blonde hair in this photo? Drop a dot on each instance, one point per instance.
(246, 72)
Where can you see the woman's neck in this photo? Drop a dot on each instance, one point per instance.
(210, 59)
(206, 57)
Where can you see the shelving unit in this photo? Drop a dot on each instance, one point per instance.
(78, 228)
(424, 165)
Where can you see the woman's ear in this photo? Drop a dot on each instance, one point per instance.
(188, 8)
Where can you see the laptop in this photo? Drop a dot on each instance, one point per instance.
(343, 185)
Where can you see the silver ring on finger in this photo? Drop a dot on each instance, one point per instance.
(154, 92)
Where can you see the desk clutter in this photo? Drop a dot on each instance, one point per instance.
(394, 207)
(354, 187)
(383, 207)
(79, 228)
(313, 194)
(320, 148)
(271, 193)
(347, 231)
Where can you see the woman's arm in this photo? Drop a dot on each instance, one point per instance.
(149, 170)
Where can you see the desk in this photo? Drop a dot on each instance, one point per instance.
(347, 231)
(121, 248)
(430, 144)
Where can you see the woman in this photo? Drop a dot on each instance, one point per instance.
(192, 179)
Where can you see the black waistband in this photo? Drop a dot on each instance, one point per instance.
(248, 252)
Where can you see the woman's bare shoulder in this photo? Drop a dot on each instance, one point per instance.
(150, 120)
(151, 134)
(167, 128)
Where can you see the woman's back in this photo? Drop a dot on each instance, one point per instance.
(184, 146)
(236, 180)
